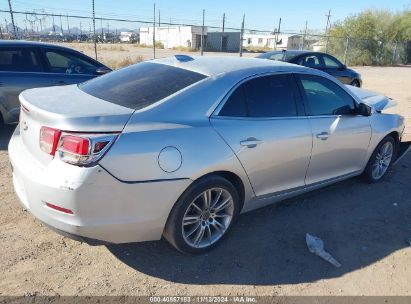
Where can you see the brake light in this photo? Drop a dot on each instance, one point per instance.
(49, 138)
(76, 145)
(84, 149)
(76, 148)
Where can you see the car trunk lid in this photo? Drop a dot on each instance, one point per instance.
(66, 109)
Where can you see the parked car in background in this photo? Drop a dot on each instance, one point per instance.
(317, 60)
(179, 147)
(25, 65)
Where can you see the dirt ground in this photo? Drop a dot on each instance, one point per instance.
(363, 226)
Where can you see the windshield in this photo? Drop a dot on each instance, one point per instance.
(140, 85)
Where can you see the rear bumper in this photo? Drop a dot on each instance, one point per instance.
(104, 209)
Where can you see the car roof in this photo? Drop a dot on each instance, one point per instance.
(6, 43)
(295, 52)
(215, 65)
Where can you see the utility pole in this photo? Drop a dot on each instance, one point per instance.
(327, 30)
(305, 35)
(394, 55)
(202, 35)
(68, 25)
(241, 36)
(102, 31)
(12, 20)
(222, 36)
(154, 32)
(278, 34)
(159, 23)
(1, 33)
(25, 23)
(54, 27)
(61, 25)
(7, 27)
(94, 30)
(347, 41)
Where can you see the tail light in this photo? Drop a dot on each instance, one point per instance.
(84, 149)
(76, 148)
(48, 139)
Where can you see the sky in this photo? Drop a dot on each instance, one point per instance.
(259, 14)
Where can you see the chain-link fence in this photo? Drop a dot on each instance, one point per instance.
(106, 38)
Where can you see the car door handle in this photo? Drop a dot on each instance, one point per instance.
(322, 135)
(250, 142)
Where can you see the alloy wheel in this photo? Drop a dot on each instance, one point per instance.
(207, 218)
(382, 160)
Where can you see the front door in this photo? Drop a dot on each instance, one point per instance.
(335, 68)
(340, 136)
(261, 122)
(68, 67)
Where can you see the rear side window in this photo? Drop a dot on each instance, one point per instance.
(267, 96)
(19, 60)
(140, 85)
(325, 97)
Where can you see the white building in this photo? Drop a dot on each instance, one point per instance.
(318, 46)
(128, 37)
(174, 36)
(284, 42)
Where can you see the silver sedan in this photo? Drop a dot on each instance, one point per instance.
(179, 147)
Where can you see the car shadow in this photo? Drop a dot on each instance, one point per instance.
(359, 223)
(5, 133)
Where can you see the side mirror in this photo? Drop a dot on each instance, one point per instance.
(364, 110)
(102, 70)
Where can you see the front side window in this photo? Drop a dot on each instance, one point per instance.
(19, 60)
(266, 96)
(140, 85)
(325, 97)
(310, 61)
(331, 63)
(68, 63)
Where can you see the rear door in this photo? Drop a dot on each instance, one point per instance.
(340, 136)
(69, 67)
(261, 121)
(21, 68)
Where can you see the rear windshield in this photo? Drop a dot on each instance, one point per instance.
(140, 85)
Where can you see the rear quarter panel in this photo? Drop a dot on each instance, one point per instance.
(135, 156)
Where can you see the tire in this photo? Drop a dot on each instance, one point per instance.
(356, 83)
(370, 172)
(195, 229)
